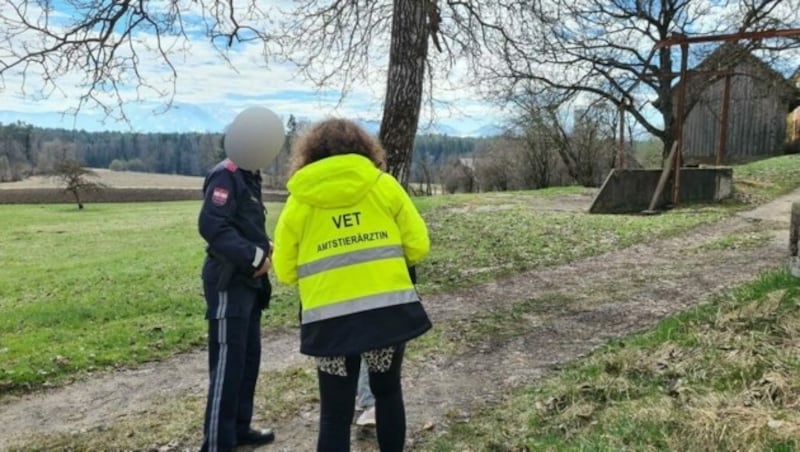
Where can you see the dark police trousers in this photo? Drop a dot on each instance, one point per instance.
(234, 355)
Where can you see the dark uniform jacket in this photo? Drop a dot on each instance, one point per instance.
(232, 222)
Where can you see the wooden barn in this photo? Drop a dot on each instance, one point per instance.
(759, 102)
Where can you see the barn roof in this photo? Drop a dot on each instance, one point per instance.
(729, 56)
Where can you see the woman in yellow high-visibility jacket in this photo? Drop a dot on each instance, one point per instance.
(346, 237)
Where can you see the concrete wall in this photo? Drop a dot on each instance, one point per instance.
(630, 191)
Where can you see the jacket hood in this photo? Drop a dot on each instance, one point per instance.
(336, 181)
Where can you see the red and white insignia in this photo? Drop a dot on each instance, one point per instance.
(220, 196)
(230, 166)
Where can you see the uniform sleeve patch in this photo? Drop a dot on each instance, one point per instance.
(220, 196)
(230, 166)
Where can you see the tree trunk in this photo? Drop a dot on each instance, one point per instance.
(567, 157)
(665, 104)
(405, 79)
(77, 199)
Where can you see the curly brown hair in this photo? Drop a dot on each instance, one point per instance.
(335, 137)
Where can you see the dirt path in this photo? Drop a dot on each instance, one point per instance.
(613, 294)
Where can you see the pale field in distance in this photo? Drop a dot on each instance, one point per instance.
(117, 179)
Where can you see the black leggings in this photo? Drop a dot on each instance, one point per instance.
(337, 396)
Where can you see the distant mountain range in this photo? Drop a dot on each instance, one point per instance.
(189, 118)
(142, 118)
(373, 127)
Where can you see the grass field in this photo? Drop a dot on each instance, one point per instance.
(108, 286)
(763, 180)
(118, 284)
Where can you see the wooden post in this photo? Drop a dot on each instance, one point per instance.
(722, 141)
(621, 156)
(676, 185)
(794, 236)
(662, 181)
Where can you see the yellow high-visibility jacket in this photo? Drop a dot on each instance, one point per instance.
(346, 237)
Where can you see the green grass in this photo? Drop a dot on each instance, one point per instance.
(476, 243)
(738, 240)
(723, 376)
(424, 203)
(649, 152)
(760, 181)
(112, 285)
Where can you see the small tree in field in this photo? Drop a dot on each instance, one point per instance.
(75, 178)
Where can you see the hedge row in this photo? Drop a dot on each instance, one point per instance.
(58, 196)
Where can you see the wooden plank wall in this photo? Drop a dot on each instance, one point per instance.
(793, 126)
(756, 122)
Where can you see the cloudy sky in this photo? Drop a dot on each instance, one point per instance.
(210, 87)
(208, 92)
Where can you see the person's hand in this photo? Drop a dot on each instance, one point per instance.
(264, 268)
(271, 246)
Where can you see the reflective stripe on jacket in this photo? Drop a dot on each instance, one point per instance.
(346, 237)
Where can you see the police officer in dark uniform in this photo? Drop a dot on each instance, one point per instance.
(235, 282)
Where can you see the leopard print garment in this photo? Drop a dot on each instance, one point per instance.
(378, 361)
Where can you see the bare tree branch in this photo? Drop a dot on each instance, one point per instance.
(112, 47)
(344, 43)
(605, 49)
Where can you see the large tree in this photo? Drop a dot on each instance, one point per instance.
(345, 43)
(607, 49)
(337, 43)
